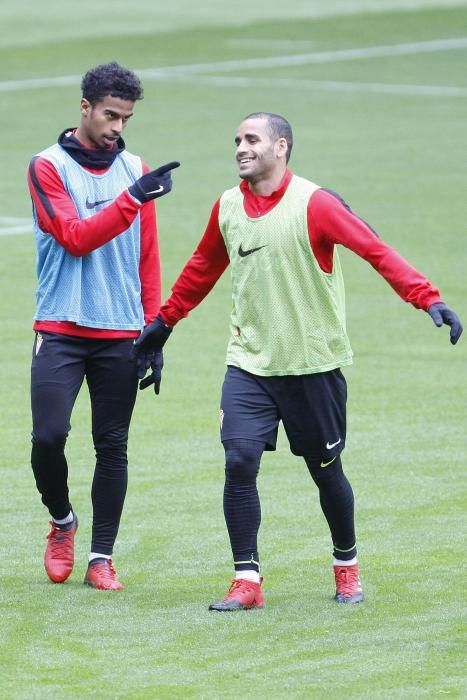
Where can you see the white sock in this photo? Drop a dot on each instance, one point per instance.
(341, 562)
(248, 575)
(96, 555)
(64, 521)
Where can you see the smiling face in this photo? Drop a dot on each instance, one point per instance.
(260, 157)
(103, 123)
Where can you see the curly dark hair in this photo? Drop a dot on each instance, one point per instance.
(279, 128)
(111, 79)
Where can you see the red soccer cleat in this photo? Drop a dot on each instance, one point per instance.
(348, 586)
(101, 574)
(60, 551)
(242, 595)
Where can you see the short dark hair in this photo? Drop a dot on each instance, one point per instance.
(111, 79)
(279, 128)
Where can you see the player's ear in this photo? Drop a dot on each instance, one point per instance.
(281, 147)
(85, 106)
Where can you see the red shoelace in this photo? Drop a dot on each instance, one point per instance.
(59, 540)
(347, 580)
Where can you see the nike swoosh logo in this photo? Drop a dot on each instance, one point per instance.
(330, 445)
(326, 464)
(243, 253)
(159, 189)
(93, 205)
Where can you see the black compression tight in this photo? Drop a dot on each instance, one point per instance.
(242, 508)
(337, 502)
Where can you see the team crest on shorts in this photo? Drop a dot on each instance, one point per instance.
(221, 418)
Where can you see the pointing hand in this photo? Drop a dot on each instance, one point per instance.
(154, 184)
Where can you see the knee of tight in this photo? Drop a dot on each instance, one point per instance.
(242, 460)
(50, 442)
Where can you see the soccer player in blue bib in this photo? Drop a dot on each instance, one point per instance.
(98, 285)
(288, 341)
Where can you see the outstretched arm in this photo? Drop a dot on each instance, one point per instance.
(331, 222)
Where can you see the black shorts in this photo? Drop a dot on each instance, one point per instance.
(312, 408)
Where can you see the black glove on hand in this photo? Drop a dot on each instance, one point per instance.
(154, 184)
(156, 362)
(153, 337)
(440, 313)
(147, 352)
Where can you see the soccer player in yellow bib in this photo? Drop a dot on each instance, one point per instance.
(288, 340)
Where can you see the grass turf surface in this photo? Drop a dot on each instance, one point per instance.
(396, 159)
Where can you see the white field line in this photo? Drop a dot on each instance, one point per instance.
(33, 83)
(11, 225)
(324, 85)
(317, 57)
(14, 230)
(272, 44)
(253, 63)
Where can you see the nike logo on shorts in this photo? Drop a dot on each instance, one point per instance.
(330, 445)
(243, 253)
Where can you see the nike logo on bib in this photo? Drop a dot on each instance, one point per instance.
(243, 253)
(93, 205)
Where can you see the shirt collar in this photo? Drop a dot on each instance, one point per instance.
(277, 194)
(264, 203)
(94, 158)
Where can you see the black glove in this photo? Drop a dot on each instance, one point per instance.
(153, 337)
(147, 352)
(154, 184)
(440, 313)
(156, 362)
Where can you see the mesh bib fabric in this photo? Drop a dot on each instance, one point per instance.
(288, 316)
(101, 289)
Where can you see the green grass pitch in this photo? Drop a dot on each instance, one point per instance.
(387, 131)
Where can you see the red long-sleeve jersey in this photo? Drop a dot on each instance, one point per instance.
(58, 216)
(330, 222)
